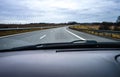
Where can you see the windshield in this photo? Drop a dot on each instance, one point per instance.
(31, 22)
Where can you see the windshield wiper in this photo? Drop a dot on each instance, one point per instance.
(73, 44)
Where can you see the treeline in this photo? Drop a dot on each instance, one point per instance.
(110, 26)
(28, 25)
(36, 25)
(103, 26)
(96, 25)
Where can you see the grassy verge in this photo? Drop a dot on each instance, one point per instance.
(11, 32)
(96, 31)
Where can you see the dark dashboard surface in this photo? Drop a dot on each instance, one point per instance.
(49, 63)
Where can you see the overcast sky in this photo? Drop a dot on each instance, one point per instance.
(57, 11)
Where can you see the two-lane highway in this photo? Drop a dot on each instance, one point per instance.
(55, 35)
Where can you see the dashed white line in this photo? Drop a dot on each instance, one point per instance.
(43, 37)
(75, 35)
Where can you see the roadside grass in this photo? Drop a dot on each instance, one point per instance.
(94, 30)
(11, 32)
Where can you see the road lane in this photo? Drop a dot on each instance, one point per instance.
(58, 35)
(54, 35)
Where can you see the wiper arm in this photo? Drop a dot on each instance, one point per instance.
(73, 44)
(85, 41)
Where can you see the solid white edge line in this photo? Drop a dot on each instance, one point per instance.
(75, 35)
(43, 37)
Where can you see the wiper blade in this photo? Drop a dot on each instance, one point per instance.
(73, 44)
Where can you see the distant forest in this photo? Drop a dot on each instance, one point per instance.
(103, 25)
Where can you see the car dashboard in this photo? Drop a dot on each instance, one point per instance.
(83, 62)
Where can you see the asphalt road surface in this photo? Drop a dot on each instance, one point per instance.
(55, 35)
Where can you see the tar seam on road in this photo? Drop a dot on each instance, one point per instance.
(43, 37)
(75, 35)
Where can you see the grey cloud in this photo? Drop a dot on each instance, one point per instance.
(86, 11)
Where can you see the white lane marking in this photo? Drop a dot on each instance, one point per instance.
(43, 37)
(75, 35)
